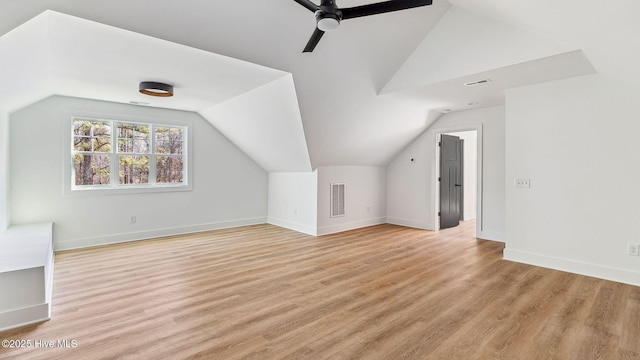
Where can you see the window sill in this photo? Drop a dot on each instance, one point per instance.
(124, 190)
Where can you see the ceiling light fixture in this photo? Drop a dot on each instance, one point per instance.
(327, 22)
(156, 89)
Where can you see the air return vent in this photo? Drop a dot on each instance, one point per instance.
(337, 199)
(477, 82)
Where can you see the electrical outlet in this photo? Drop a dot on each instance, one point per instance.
(132, 219)
(632, 249)
(523, 183)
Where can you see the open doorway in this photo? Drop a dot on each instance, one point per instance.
(457, 172)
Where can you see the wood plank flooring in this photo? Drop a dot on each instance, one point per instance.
(383, 292)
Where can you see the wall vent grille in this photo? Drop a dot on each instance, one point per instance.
(337, 199)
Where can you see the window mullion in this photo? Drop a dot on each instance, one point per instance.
(115, 162)
(152, 155)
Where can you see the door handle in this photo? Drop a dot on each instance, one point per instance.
(458, 185)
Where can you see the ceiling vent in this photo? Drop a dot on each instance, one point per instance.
(477, 82)
(138, 102)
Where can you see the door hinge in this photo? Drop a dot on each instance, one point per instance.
(439, 178)
(440, 143)
(439, 214)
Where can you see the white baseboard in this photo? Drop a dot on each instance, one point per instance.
(332, 229)
(489, 235)
(150, 234)
(305, 229)
(572, 266)
(26, 316)
(407, 222)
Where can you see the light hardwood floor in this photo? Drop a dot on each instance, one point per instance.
(383, 292)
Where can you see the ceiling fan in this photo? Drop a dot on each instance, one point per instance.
(329, 15)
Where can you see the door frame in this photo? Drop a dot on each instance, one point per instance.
(435, 205)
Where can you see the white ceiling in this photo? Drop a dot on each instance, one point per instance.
(455, 52)
(344, 119)
(70, 56)
(106, 62)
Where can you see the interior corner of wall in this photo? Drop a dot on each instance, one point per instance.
(4, 170)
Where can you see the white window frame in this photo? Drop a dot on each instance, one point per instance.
(115, 187)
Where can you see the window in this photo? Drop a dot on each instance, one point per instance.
(110, 154)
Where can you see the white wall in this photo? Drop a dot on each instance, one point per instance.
(4, 171)
(577, 140)
(293, 201)
(229, 189)
(412, 186)
(301, 201)
(266, 124)
(365, 197)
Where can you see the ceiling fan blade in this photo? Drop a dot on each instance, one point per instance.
(382, 7)
(308, 4)
(315, 38)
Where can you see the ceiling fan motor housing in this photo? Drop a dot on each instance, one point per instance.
(328, 17)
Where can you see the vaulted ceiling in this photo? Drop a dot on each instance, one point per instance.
(367, 90)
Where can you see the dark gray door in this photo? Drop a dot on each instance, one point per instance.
(450, 181)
